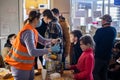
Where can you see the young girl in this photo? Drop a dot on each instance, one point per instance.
(85, 63)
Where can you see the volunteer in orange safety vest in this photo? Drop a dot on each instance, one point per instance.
(21, 56)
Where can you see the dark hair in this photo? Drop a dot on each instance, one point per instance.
(48, 14)
(32, 15)
(77, 33)
(87, 39)
(107, 18)
(8, 44)
(55, 11)
(61, 18)
(117, 45)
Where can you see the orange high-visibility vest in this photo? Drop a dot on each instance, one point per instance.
(18, 56)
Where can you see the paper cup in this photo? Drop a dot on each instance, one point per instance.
(44, 73)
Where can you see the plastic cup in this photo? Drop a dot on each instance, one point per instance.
(44, 73)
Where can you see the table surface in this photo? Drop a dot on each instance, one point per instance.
(65, 76)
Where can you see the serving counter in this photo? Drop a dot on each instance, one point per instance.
(65, 76)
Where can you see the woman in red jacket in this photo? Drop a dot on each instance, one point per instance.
(85, 63)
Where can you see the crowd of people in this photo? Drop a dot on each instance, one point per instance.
(91, 57)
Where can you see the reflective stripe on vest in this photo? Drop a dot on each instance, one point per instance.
(21, 53)
(19, 60)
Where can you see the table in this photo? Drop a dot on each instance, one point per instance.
(65, 76)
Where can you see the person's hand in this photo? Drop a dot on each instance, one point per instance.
(119, 58)
(54, 41)
(68, 66)
(71, 76)
(55, 48)
(49, 50)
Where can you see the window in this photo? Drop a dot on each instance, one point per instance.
(86, 12)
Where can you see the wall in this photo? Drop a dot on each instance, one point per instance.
(63, 6)
(9, 19)
(34, 4)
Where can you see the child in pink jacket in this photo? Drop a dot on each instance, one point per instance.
(85, 62)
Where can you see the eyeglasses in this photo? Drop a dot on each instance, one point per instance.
(81, 44)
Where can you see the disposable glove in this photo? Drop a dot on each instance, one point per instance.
(55, 48)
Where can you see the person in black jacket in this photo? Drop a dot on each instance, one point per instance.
(104, 39)
(75, 50)
(114, 66)
(47, 17)
(75, 46)
(54, 30)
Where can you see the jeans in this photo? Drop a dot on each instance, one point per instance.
(22, 74)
